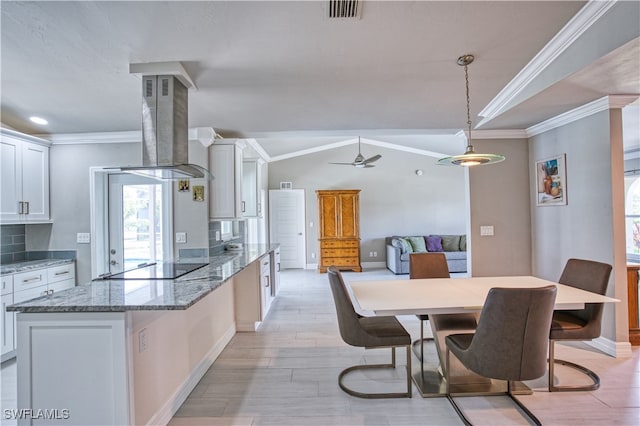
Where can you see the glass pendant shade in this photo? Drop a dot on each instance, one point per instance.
(470, 157)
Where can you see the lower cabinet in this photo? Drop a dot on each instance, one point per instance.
(28, 285)
(266, 284)
(252, 294)
(275, 272)
(8, 325)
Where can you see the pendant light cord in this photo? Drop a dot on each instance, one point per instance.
(466, 80)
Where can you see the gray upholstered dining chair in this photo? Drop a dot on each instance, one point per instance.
(581, 324)
(368, 332)
(510, 342)
(434, 265)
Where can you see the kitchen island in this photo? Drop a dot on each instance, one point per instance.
(130, 352)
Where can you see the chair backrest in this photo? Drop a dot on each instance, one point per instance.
(348, 319)
(590, 276)
(510, 342)
(428, 265)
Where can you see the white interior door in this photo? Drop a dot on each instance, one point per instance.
(139, 221)
(287, 226)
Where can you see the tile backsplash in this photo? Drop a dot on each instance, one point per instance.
(13, 247)
(218, 246)
(12, 243)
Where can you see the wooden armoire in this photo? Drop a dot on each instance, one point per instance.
(339, 229)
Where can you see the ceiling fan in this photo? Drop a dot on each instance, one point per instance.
(360, 162)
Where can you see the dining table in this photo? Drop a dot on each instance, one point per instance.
(437, 297)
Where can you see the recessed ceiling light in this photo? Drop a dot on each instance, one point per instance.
(38, 120)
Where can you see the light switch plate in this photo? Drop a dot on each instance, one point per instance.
(181, 237)
(83, 237)
(486, 231)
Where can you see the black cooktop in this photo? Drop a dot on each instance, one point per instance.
(157, 271)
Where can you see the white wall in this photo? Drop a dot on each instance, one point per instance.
(393, 199)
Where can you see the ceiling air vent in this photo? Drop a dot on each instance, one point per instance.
(345, 8)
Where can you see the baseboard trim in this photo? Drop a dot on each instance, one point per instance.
(247, 326)
(311, 266)
(165, 413)
(374, 264)
(610, 347)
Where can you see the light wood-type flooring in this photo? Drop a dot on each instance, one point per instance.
(286, 374)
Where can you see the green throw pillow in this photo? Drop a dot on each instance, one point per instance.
(417, 244)
(463, 243)
(451, 242)
(402, 244)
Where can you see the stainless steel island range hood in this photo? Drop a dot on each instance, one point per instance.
(165, 131)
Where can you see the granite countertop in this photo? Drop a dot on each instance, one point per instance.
(121, 295)
(27, 265)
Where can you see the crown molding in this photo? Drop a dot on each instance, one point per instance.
(602, 104)
(495, 134)
(16, 134)
(259, 149)
(95, 137)
(581, 22)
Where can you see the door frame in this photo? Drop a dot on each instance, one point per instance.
(99, 219)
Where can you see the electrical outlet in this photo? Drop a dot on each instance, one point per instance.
(181, 237)
(486, 231)
(83, 237)
(375, 254)
(142, 340)
(217, 235)
(310, 224)
(370, 254)
(313, 255)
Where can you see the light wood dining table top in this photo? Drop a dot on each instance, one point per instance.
(453, 295)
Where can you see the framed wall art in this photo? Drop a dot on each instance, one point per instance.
(551, 181)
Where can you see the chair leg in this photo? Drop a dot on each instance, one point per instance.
(459, 411)
(554, 388)
(521, 405)
(448, 390)
(351, 392)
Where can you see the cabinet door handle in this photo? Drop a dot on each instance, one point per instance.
(28, 280)
(27, 203)
(20, 207)
(50, 291)
(243, 206)
(278, 267)
(268, 282)
(61, 273)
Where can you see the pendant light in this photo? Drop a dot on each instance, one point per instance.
(470, 157)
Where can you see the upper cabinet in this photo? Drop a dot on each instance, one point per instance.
(225, 163)
(24, 168)
(251, 187)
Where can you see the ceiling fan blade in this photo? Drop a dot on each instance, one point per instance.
(372, 159)
(344, 164)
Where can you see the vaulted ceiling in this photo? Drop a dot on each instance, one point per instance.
(285, 73)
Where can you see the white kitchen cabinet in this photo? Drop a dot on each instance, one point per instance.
(225, 163)
(28, 285)
(275, 272)
(252, 294)
(265, 285)
(251, 186)
(24, 170)
(7, 319)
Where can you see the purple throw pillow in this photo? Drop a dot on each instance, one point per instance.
(434, 244)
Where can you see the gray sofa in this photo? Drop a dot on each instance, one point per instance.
(454, 248)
